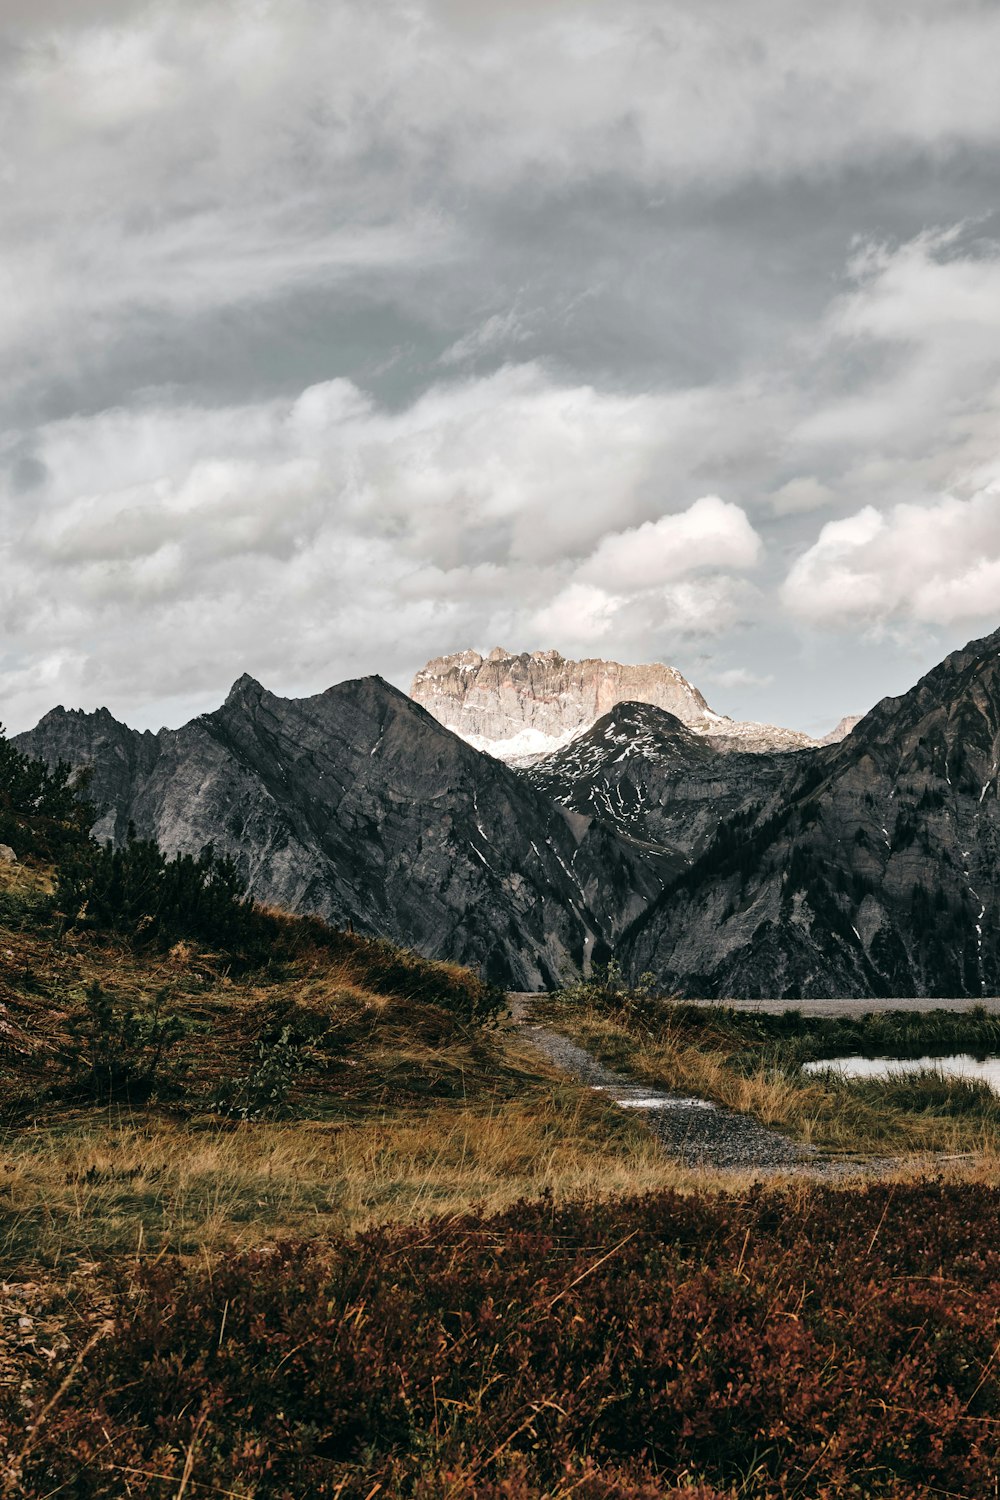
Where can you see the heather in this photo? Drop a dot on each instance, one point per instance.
(805, 1342)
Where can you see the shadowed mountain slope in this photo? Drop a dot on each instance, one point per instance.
(356, 805)
(873, 868)
(643, 771)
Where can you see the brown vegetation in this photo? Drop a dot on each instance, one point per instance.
(802, 1344)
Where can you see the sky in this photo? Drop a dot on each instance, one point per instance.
(338, 336)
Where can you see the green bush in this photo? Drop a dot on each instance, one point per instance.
(137, 891)
(118, 1052)
(609, 992)
(262, 1092)
(41, 812)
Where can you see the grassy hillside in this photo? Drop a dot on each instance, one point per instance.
(338, 1082)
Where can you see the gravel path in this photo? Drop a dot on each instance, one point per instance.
(698, 1133)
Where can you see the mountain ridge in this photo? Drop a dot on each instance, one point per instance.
(518, 705)
(357, 806)
(876, 871)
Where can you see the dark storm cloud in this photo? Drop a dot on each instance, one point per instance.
(342, 335)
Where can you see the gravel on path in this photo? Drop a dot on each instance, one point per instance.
(697, 1132)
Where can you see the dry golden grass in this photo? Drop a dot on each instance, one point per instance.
(405, 1110)
(106, 1184)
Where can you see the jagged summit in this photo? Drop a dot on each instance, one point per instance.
(847, 724)
(517, 706)
(872, 868)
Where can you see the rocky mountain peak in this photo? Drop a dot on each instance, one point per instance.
(843, 729)
(517, 706)
(243, 688)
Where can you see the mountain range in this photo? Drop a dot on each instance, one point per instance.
(359, 807)
(869, 865)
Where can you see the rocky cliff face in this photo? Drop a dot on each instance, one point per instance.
(871, 868)
(517, 706)
(357, 805)
(532, 702)
(643, 771)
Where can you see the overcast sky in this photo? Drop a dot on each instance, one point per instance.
(336, 336)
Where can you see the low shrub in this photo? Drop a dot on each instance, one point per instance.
(771, 1345)
(41, 812)
(118, 1051)
(262, 1092)
(137, 891)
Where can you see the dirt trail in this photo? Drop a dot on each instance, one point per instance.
(697, 1132)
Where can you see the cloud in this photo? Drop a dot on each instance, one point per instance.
(175, 162)
(936, 564)
(661, 582)
(799, 495)
(710, 534)
(501, 331)
(581, 612)
(739, 677)
(306, 538)
(916, 333)
(333, 336)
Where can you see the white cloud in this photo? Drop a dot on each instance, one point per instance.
(934, 564)
(711, 533)
(581, 613)
(739, 677)
(918, 333)
(804, 493)
(312, 537)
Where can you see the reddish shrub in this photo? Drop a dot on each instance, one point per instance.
(823, 1345)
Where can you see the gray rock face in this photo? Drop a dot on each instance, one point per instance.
(7, 855)
(539, 698)
(866, 867)
(516, 707)
(642, 770)
(848, 723)
(872, 868)
(355, 804)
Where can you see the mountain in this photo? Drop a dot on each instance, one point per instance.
(356, 805)
(644, 771)
(868, 866)
(516, 706)
(848, 723)
(871, 868)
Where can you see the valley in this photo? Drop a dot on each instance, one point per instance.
(289, 1209)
